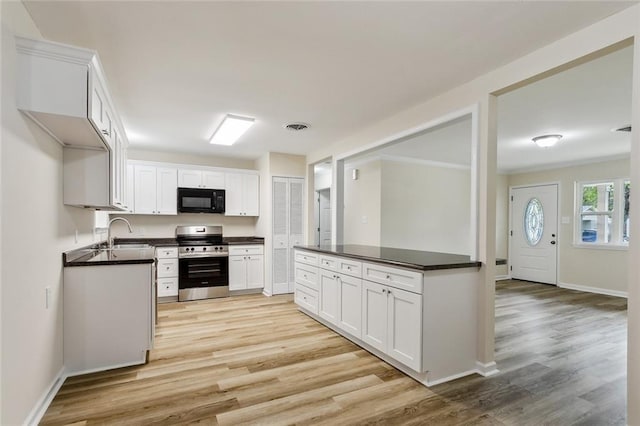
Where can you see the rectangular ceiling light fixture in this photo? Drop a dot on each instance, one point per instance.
(230, 130)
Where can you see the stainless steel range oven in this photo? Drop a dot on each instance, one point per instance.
(203, 263)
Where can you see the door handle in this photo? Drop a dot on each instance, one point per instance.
(553, 242)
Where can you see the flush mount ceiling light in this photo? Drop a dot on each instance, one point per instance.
(546, 141)
(230, 130)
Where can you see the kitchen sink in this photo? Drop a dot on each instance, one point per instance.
(125, 246)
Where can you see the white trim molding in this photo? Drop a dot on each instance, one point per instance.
(597, 290)
(36, 414)
(503, 277)
(488, 369)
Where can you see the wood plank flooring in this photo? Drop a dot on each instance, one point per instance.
(257, 360)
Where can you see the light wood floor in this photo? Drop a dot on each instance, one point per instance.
(257, 360)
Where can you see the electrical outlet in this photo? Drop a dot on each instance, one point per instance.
(47, 296)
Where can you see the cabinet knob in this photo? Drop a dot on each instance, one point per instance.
(388, 277)
(384, 290)
(389, 291)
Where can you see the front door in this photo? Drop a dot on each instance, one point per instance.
(534, 233)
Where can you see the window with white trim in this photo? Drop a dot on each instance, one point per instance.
(602, 213)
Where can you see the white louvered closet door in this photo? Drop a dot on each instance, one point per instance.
(296, 220)
(288, 230)
(280, 260)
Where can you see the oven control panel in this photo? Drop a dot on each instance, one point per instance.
(203, 251)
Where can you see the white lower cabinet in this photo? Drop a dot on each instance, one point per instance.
(246, 267)
(108, 315)
(384, 317)
(168, 265)
(350, 314)
(328, 307)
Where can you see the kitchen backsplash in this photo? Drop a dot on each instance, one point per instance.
(157, 226)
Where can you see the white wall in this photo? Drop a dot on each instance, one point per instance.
(185, 158)
(164, 226)
(38, 228)
(322, 179)
(425, 207)
(362, 204)
(601, 269)
(502, 223)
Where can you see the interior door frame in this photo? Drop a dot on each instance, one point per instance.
(558, 223)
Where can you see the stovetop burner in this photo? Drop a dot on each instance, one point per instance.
(201, 241)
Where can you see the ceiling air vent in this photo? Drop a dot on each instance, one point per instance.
(623, 129)
(296, 126)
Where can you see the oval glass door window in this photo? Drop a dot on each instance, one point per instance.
(533, 221)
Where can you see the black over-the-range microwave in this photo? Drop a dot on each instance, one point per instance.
(200, 200)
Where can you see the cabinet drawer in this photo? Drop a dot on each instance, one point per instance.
(329, 262)
(167, 267)
(166, 252)
(306, 298)
(306, 275)
(307, 257)
(250, 249)
(167, 287)
(393, 277)
(350, 267)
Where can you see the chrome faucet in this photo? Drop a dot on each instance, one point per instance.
(109, 238)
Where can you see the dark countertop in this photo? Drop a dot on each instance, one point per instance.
(243, 240)
(413, 259)
(156, 242)
(97, 255)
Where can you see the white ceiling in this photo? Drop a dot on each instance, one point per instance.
(175, 68)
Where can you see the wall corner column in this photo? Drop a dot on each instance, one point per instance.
(487, 169)
(633, 321)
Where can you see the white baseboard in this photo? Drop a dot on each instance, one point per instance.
(267, 293)
(503, 277)
(597, 290)
(449, 378)
(488, 369)
(43, 403)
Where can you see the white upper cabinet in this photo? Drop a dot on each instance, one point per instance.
(155, 190)
(64, 90)
(242, 195)
(188, 178)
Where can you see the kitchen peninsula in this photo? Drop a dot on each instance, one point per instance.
(414, 309)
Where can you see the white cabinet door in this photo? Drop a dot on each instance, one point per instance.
(189, 178)
(237, 273)
(166, 192)
(374, 315)
(213, 180)
(242, 194)
(233, 194)
(296, 220)
(251, 195)
(405, 327)
(328, 304)
(145, 189)
(350, 297)
(255, 271)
